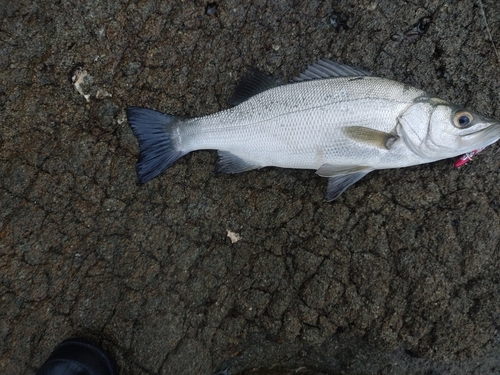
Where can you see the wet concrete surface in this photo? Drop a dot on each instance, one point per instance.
(400, 275)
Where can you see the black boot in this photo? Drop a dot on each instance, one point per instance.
(78, 356)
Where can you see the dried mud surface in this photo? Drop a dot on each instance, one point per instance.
(399, 276)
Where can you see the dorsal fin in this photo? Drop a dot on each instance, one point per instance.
(328, 69)
(252, 83)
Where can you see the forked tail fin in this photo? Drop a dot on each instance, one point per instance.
(158, 141)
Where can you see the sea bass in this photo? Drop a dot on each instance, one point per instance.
(335, 119)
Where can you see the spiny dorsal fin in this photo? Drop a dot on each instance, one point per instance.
(328, 69)
(252, 83)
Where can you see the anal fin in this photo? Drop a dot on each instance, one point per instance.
(230, 163)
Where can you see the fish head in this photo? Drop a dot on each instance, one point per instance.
(435, 129)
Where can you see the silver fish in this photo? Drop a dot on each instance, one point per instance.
(335, 119)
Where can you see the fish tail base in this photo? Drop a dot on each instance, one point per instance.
(159, 142)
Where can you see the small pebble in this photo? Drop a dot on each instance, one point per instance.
(211, 9)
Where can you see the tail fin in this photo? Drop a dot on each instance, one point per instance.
(157, 143)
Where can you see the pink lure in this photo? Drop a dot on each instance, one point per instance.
(464, 159)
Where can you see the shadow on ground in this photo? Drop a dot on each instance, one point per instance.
(400, 275)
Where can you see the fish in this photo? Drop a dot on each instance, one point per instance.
(341, 121)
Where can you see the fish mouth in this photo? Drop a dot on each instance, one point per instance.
(481, 138)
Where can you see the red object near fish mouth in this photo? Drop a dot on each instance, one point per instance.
(464, 159)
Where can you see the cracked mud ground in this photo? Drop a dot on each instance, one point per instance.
(400, 275)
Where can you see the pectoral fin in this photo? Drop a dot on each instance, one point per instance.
(340, 177)
(373, 137)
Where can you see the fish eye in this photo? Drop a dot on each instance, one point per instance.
(462, 119)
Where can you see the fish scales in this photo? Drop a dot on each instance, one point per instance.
(335, 119)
